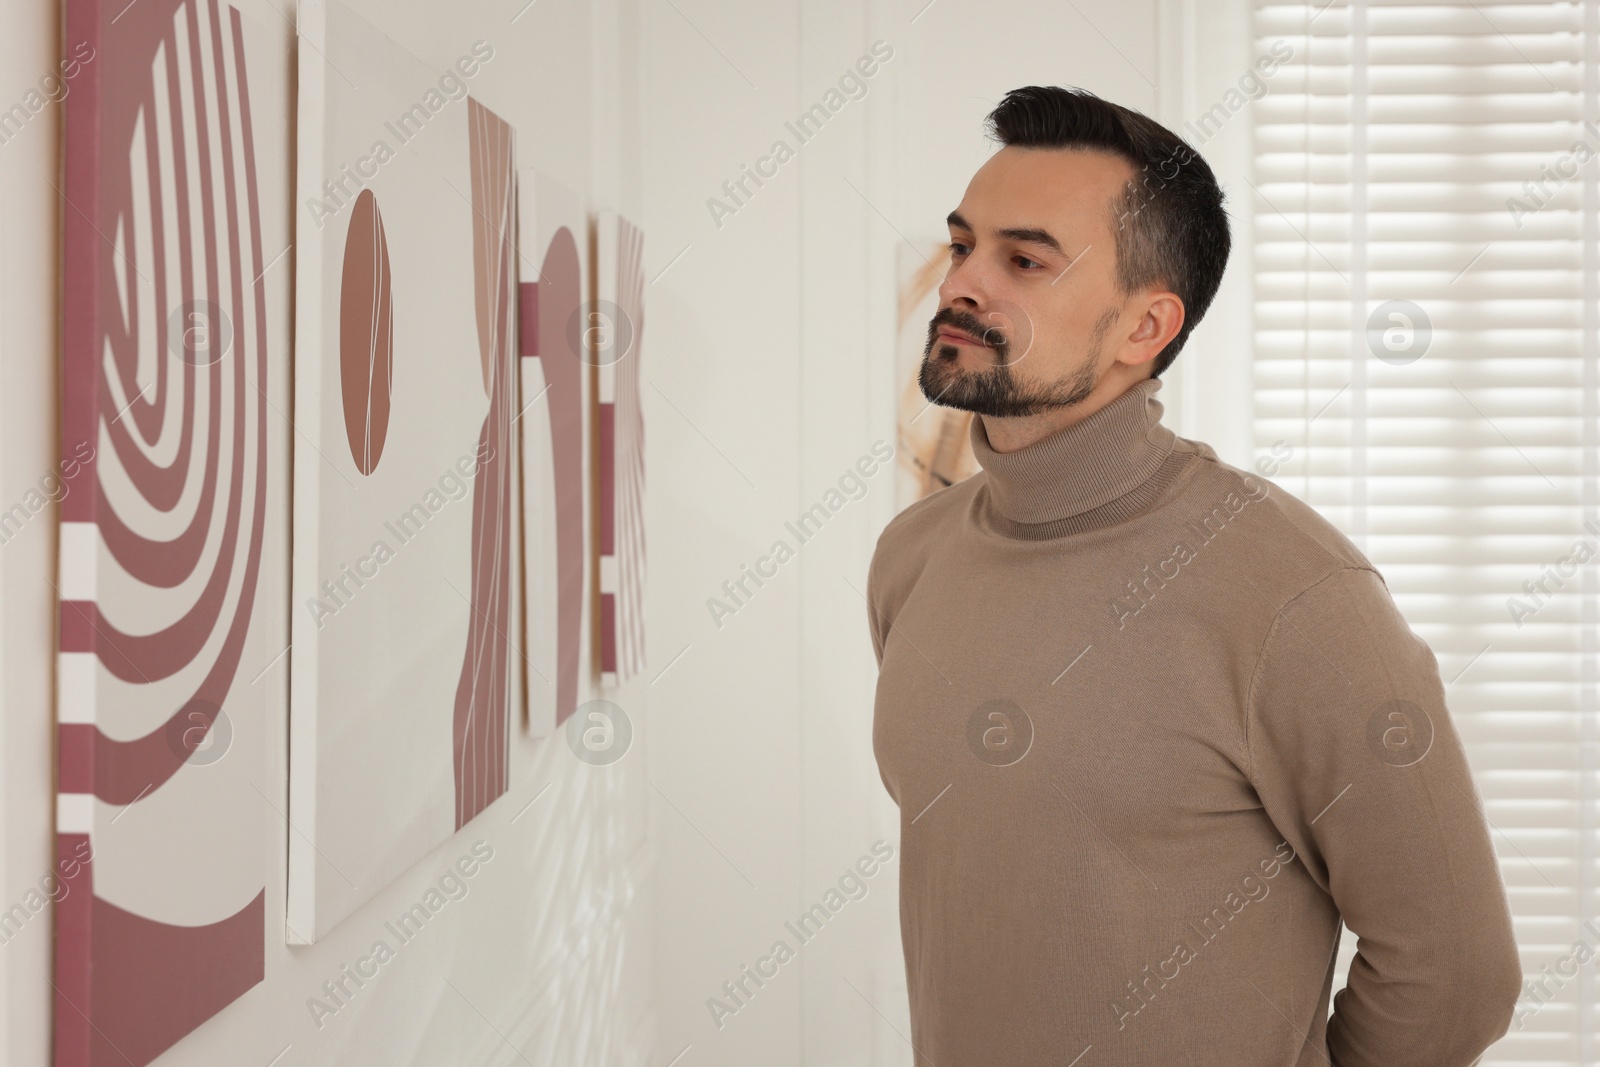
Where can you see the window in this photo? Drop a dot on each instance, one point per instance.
(1426, 211)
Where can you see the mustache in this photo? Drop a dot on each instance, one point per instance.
(968, 323)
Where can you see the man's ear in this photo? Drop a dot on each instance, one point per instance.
(1162, 320)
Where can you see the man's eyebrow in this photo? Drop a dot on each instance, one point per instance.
(1025, 234)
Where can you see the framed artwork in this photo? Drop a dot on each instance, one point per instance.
(934, 449)
(553, 239)
(173, 537)
(615, 330)
(406, 655)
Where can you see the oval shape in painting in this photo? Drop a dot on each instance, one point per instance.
(366, 333)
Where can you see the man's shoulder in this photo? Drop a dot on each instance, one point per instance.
(922, 521)
(1288, 541)
(902, 551)
(909, 539)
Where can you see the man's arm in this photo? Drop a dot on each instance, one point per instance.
(1357, 763)
(877, 621)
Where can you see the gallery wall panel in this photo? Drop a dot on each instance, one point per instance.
(406, 660)
(553, 236)
(172, 548)
(615, 327)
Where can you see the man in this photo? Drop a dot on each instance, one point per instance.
(1154, 726)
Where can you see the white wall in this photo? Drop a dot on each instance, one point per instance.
(550, 949)
(29, 224)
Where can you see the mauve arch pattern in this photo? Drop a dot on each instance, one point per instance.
(168, 93)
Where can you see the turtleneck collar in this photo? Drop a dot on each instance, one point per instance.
(1084, 466)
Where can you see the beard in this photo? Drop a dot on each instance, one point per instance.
(996, 391)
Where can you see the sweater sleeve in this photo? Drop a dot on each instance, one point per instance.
(877, 621)
(1356, 761)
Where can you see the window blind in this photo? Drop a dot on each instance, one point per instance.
(1425, 207)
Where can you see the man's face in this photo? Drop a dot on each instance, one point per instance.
(1029, 314)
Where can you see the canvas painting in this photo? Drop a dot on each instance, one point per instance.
(553, 241)
(174, 518)
(406, 652)
(616, 335)
(934, 448)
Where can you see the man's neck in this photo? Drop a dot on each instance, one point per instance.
(1014, 432)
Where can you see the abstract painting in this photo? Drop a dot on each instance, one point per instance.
(553, 240)
(406, 656)
(934, 447)
(616, 331)
(173, 550)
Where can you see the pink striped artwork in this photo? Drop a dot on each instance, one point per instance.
(406, 659)
(615, 334)
(173, 545)
(553, 243)
(483, 692)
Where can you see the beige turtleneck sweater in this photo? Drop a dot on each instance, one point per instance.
(1154, 727)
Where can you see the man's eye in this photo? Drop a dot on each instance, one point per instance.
(1025, 259)
(956, 248)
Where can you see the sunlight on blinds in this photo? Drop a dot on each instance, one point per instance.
(1425, 205)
